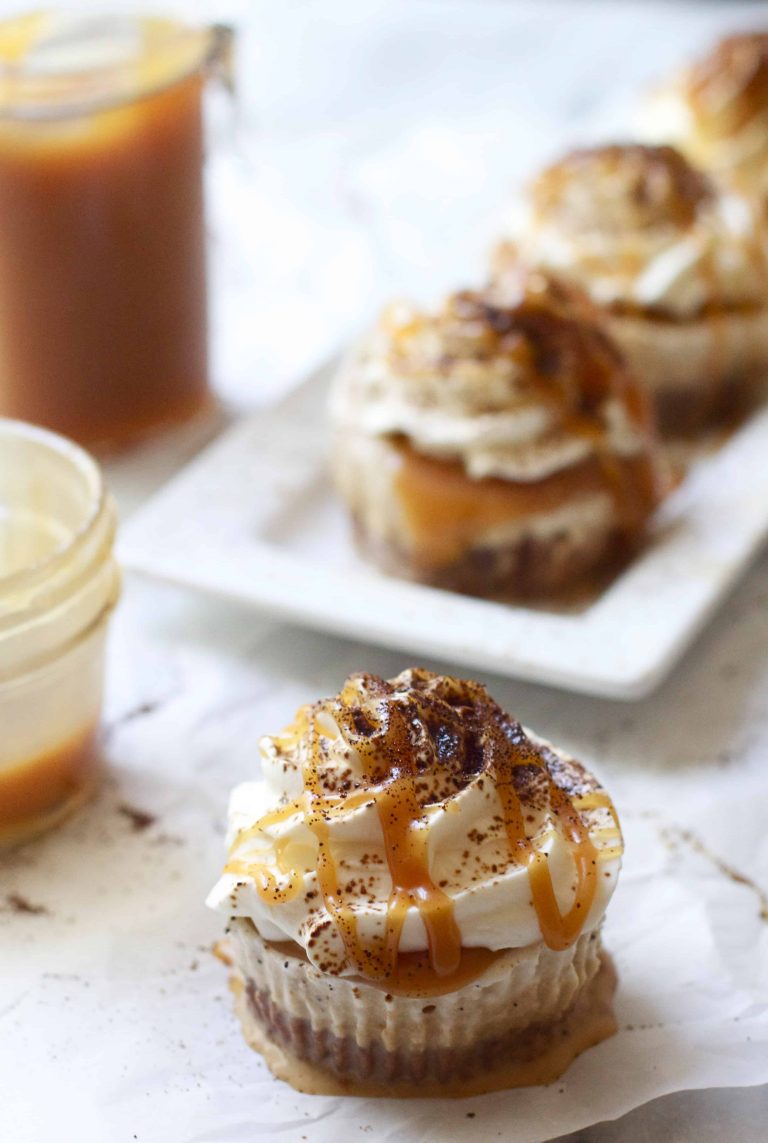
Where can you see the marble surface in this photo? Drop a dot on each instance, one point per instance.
(373, 152)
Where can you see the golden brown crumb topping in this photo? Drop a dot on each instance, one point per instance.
(546, 331)
(621, 186)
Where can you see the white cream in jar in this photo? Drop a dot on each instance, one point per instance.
(58, 585)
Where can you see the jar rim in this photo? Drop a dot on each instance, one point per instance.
(71, 91)
(96, 491)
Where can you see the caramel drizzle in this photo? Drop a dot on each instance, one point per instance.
(405, 827)
(405, 841)
(406, 838)
(279, 889)
(576, 368)
(561, 930)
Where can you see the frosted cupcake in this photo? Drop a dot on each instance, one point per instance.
(496, 445)
(680, 267)
(415, 890)
(716, 112)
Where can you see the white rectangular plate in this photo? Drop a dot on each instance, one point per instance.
(255, 519)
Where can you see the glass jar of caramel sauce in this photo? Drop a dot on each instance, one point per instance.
(58, 585)
(103, 314)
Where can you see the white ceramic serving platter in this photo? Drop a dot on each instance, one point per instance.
(254, 518)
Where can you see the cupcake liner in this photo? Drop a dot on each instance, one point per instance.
(695, 370)
(529, 565)
(357, 1033)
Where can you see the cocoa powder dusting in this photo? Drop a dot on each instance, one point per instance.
(20, 904)
(139, 819)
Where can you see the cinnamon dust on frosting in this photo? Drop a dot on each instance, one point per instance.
(416, 814)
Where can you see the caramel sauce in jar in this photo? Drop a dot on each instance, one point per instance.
(38, 792)
(102, 273)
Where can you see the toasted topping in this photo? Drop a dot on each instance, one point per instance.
(729, 87)
(716, 111)
(619, 186)
(643, 231)
(530, 326)
(441, 731)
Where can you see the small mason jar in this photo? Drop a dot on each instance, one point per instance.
(58, 585)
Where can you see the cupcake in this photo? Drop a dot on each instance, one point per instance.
(680, 268)
(497, 445)
(716, 112)
(415, 889)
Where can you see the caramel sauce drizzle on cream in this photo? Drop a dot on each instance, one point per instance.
(420, 740)
(571, 366)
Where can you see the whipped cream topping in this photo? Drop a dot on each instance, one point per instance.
(416, 816)
(638, 227)
(716, 111)
(517, 382)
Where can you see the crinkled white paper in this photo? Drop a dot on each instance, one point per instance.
(115, 1016)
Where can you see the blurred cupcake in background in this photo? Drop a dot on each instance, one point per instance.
(679, 266)
(716, 112)
(497, 444)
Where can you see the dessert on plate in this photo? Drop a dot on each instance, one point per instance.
(679, 265)
(495, 445)
(716, 111)
(416, 886)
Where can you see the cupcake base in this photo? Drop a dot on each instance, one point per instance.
(526, 567)
(697, 373)
(538, 1056)
(424, 519)
(521, 1022)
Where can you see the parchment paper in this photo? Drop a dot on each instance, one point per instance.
(116, 1018)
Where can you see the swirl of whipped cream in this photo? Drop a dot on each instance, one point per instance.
(717, 110)
(517, 381)
(639, 228)
(416, 816)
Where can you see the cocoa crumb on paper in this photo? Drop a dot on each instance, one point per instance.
(19, 904)
(168, 839)
(142, 710)
(675, 836)
(139, 819)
